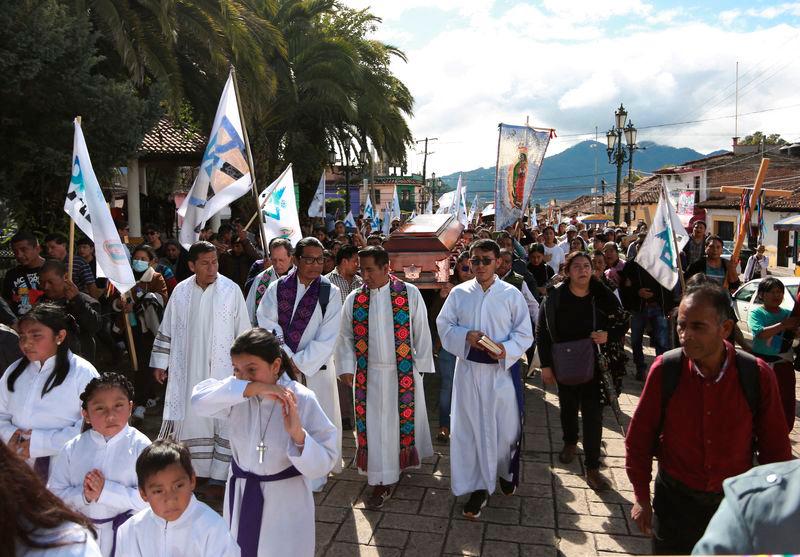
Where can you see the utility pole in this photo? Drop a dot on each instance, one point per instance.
(425, 158)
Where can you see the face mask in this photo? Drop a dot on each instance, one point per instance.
(139, 266)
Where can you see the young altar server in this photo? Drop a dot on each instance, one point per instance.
(40, 406)
(280, 439)
(95, 473)
(175, 523)
(384, 345)
(485, 418)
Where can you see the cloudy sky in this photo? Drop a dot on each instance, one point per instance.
(568, 64)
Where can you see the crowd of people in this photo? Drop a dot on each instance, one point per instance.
(259, 364)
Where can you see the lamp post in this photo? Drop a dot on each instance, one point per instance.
(619, 154)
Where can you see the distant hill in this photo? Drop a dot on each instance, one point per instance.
(571, 172)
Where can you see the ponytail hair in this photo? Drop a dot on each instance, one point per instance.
(56, 319)
(265, 345)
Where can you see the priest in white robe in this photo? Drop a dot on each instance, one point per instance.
(205, 314)
(280, 255)
(393, 431)
(485, 418)
(303, 308)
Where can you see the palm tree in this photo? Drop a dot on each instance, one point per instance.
(188, 46)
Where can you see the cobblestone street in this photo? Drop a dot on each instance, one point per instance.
(552, 513)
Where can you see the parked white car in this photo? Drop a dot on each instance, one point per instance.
(744, 300)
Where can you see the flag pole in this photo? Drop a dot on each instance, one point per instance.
(71, 256)
(250, 162)
(675, 243)
(129, 332)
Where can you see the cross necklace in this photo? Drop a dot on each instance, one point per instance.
(261, 448)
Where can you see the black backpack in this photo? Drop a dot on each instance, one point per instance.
(746, 364)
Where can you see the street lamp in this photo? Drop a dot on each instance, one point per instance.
(332, 157)
(619, 154)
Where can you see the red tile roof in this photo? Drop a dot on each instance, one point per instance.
(166, 139)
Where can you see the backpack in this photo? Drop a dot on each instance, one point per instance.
(324, 294)
(746, 364)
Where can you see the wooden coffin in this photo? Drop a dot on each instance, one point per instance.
(419, 251)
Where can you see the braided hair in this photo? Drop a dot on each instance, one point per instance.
(57, 319)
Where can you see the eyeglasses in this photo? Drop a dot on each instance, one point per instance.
(311, 260)
(485, 261)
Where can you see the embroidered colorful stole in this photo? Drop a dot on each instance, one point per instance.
(405, 371)
(263, 284)
(293, 326)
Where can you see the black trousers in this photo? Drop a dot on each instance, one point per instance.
(586, 399)
(680, 516)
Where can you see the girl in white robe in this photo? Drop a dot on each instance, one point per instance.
(95, 473)
(278, 433)
(40, 407)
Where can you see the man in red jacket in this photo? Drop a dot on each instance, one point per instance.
(706, 432)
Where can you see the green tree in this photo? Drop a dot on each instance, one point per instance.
(757, 137)
(49, 61)
(189, 45)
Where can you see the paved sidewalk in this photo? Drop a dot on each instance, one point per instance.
(552, 513)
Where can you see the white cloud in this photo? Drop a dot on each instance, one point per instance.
(570, 72)
(598, 89)
(583, 10)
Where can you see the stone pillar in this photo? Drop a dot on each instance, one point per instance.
(134, 215)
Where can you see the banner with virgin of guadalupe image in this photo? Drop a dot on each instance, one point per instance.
(520, 152)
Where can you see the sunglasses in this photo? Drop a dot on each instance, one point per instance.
(312, 260)
(485, 261)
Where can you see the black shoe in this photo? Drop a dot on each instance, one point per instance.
(507, 487)
(476, 502)
(567, 454)
(380, 493)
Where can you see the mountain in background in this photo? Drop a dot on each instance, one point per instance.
(571, 173)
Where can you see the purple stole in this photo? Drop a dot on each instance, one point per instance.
(293, 326)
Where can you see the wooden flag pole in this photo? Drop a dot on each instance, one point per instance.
(737, 247)
(129, 331)
(71, 256)
(252, 165)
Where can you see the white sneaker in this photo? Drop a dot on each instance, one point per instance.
(138, 412)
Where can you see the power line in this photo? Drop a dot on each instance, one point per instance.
(686, 122)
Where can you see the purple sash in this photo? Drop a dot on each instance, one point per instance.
(116, 522)
(293, 326)
(252, 507)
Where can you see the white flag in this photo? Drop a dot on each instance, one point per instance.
(396, 214)
(659, 252)
(429, 207)
(317, 207)
(349, 221)
(369, 214)
(387, 220)
(279, 209)
(473, 208)
(86, 205)
(445, 202)
(458, 207)
(224, 169)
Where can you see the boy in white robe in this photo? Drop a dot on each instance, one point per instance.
(485, 418)
(205, 313)
(176, 523)
(281, 440)
(308, 332)
(383, 413)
